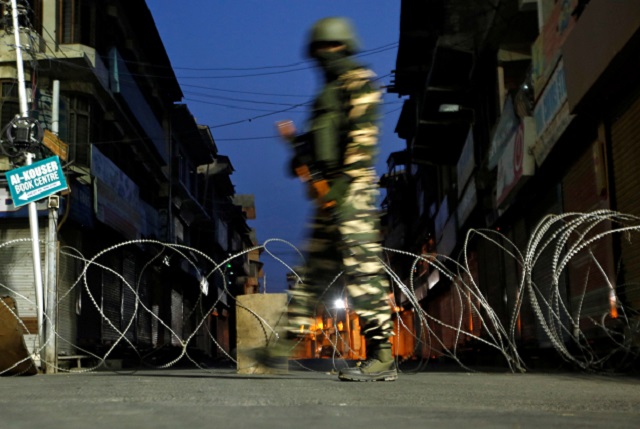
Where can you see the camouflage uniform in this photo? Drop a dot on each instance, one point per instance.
(341, 145)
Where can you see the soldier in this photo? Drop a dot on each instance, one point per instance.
(336, 156)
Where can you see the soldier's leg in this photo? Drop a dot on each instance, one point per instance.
(367, 282)
(323, 264)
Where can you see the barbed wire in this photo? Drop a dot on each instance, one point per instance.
(566, 236)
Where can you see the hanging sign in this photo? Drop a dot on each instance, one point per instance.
(36, 181)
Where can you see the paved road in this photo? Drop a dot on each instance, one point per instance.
(220, 398)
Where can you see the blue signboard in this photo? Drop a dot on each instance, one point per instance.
(36, 181)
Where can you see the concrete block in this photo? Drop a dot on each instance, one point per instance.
(12, 346)
(258, 315)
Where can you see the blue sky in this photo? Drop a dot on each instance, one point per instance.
(241, 61)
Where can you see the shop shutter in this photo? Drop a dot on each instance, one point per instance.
(144, 316)
(542, 275)
(67, 326)
(176, 316)
(129, 295)
(584, 190)
(111, 298)
(16, 273)
(625, 148)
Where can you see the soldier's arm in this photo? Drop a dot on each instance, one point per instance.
(362, 123)
(362, 100)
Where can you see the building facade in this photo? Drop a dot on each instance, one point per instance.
(149, 213)
(513, 113)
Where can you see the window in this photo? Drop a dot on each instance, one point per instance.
(187, 174)
(75, 22)
(75, 127)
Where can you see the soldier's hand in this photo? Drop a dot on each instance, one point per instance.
(286, 129)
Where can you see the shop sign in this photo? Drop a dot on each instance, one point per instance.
(55, 145)
(117, 196)
(551, 114)
(81, 210)
(546, 48)
(466, 163)
(36, 181)
(441, 217)
(504, 131)
(468, 202)
(517, 162)
(8, 210)
(447, 243)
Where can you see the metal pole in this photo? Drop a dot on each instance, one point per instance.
(51, 348)
(33, 213)
(37, 267)
(22, 92)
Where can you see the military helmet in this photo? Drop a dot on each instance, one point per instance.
(334, 29)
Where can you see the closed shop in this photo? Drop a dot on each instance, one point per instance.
(69, 289)
(129, 296)
(545, 298)
(591, 271)
(16, 273)
(625, 149)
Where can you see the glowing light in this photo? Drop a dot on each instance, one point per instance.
(613, 304)
(338, 303)
(340, 326)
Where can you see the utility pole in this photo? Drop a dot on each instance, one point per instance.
(51, 347)
(23, 124)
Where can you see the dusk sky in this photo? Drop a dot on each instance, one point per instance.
(242, 66)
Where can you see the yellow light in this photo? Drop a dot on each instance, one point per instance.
(301, 329)
(613, 304)
(340, 326)
(320, 325)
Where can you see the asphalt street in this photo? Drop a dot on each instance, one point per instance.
(197, 398)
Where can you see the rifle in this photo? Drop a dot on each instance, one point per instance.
(319, 186)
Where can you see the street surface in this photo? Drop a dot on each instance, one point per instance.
(192, 398)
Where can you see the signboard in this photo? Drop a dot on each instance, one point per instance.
(117, 196)
(441, 217)
(468, 202)
(517, 162)
(36, 181)
(547, 47)
(8, 210)
(466, 163)
(551, 114)
(55, 145)
(447, 243)
(505, 129)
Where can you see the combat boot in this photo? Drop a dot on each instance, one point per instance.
(379, 366)
(274, 358)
